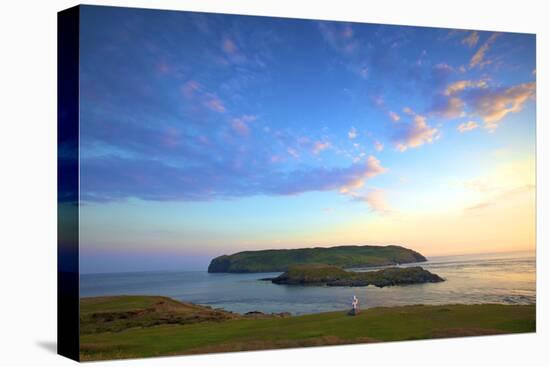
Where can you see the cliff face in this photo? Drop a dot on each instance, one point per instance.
(220, 264)
(341, 256)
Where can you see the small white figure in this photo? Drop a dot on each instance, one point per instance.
(355, 304)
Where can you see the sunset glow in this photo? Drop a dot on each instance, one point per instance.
(205, 134)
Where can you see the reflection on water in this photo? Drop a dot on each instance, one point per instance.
(495, 278)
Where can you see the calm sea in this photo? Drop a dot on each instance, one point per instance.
(493, 278)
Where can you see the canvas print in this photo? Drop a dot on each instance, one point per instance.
(233, 183)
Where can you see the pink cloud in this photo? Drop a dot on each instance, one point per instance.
(493, 106)
(415, 133)
(240, 124)
(451, 108)
(189, 88)
(229, 46)
(339, 37)
(459, 86)
(377, 201)
(467, 97)
(194, 92)
(240, 127)
(372, 168)
(472, 39)
(188, 183)
(408, 111)
(394, 116)
(467, 126)
(479, 57)
(319, 146)
(215, 104)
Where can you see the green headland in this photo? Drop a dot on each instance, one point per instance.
(341, 256)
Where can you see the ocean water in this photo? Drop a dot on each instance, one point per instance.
(492, 278)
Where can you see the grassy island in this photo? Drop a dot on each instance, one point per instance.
(321, 274)
(145, 326)
(342, 256)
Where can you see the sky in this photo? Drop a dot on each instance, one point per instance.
(208, 134)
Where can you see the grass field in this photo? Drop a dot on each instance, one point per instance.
(142, 326)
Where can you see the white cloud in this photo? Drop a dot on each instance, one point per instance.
(352, 134)
(415, 133)
(479, 57)
(494, 105)
(461, 85)
(467, 126)
(472, 39)
(394, 116)
(372, 168)
(476, 98)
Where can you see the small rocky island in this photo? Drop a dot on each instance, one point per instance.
(334, 276)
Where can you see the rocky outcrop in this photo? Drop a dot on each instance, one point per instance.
(332, 276)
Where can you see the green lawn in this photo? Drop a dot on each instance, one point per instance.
(372, 325)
